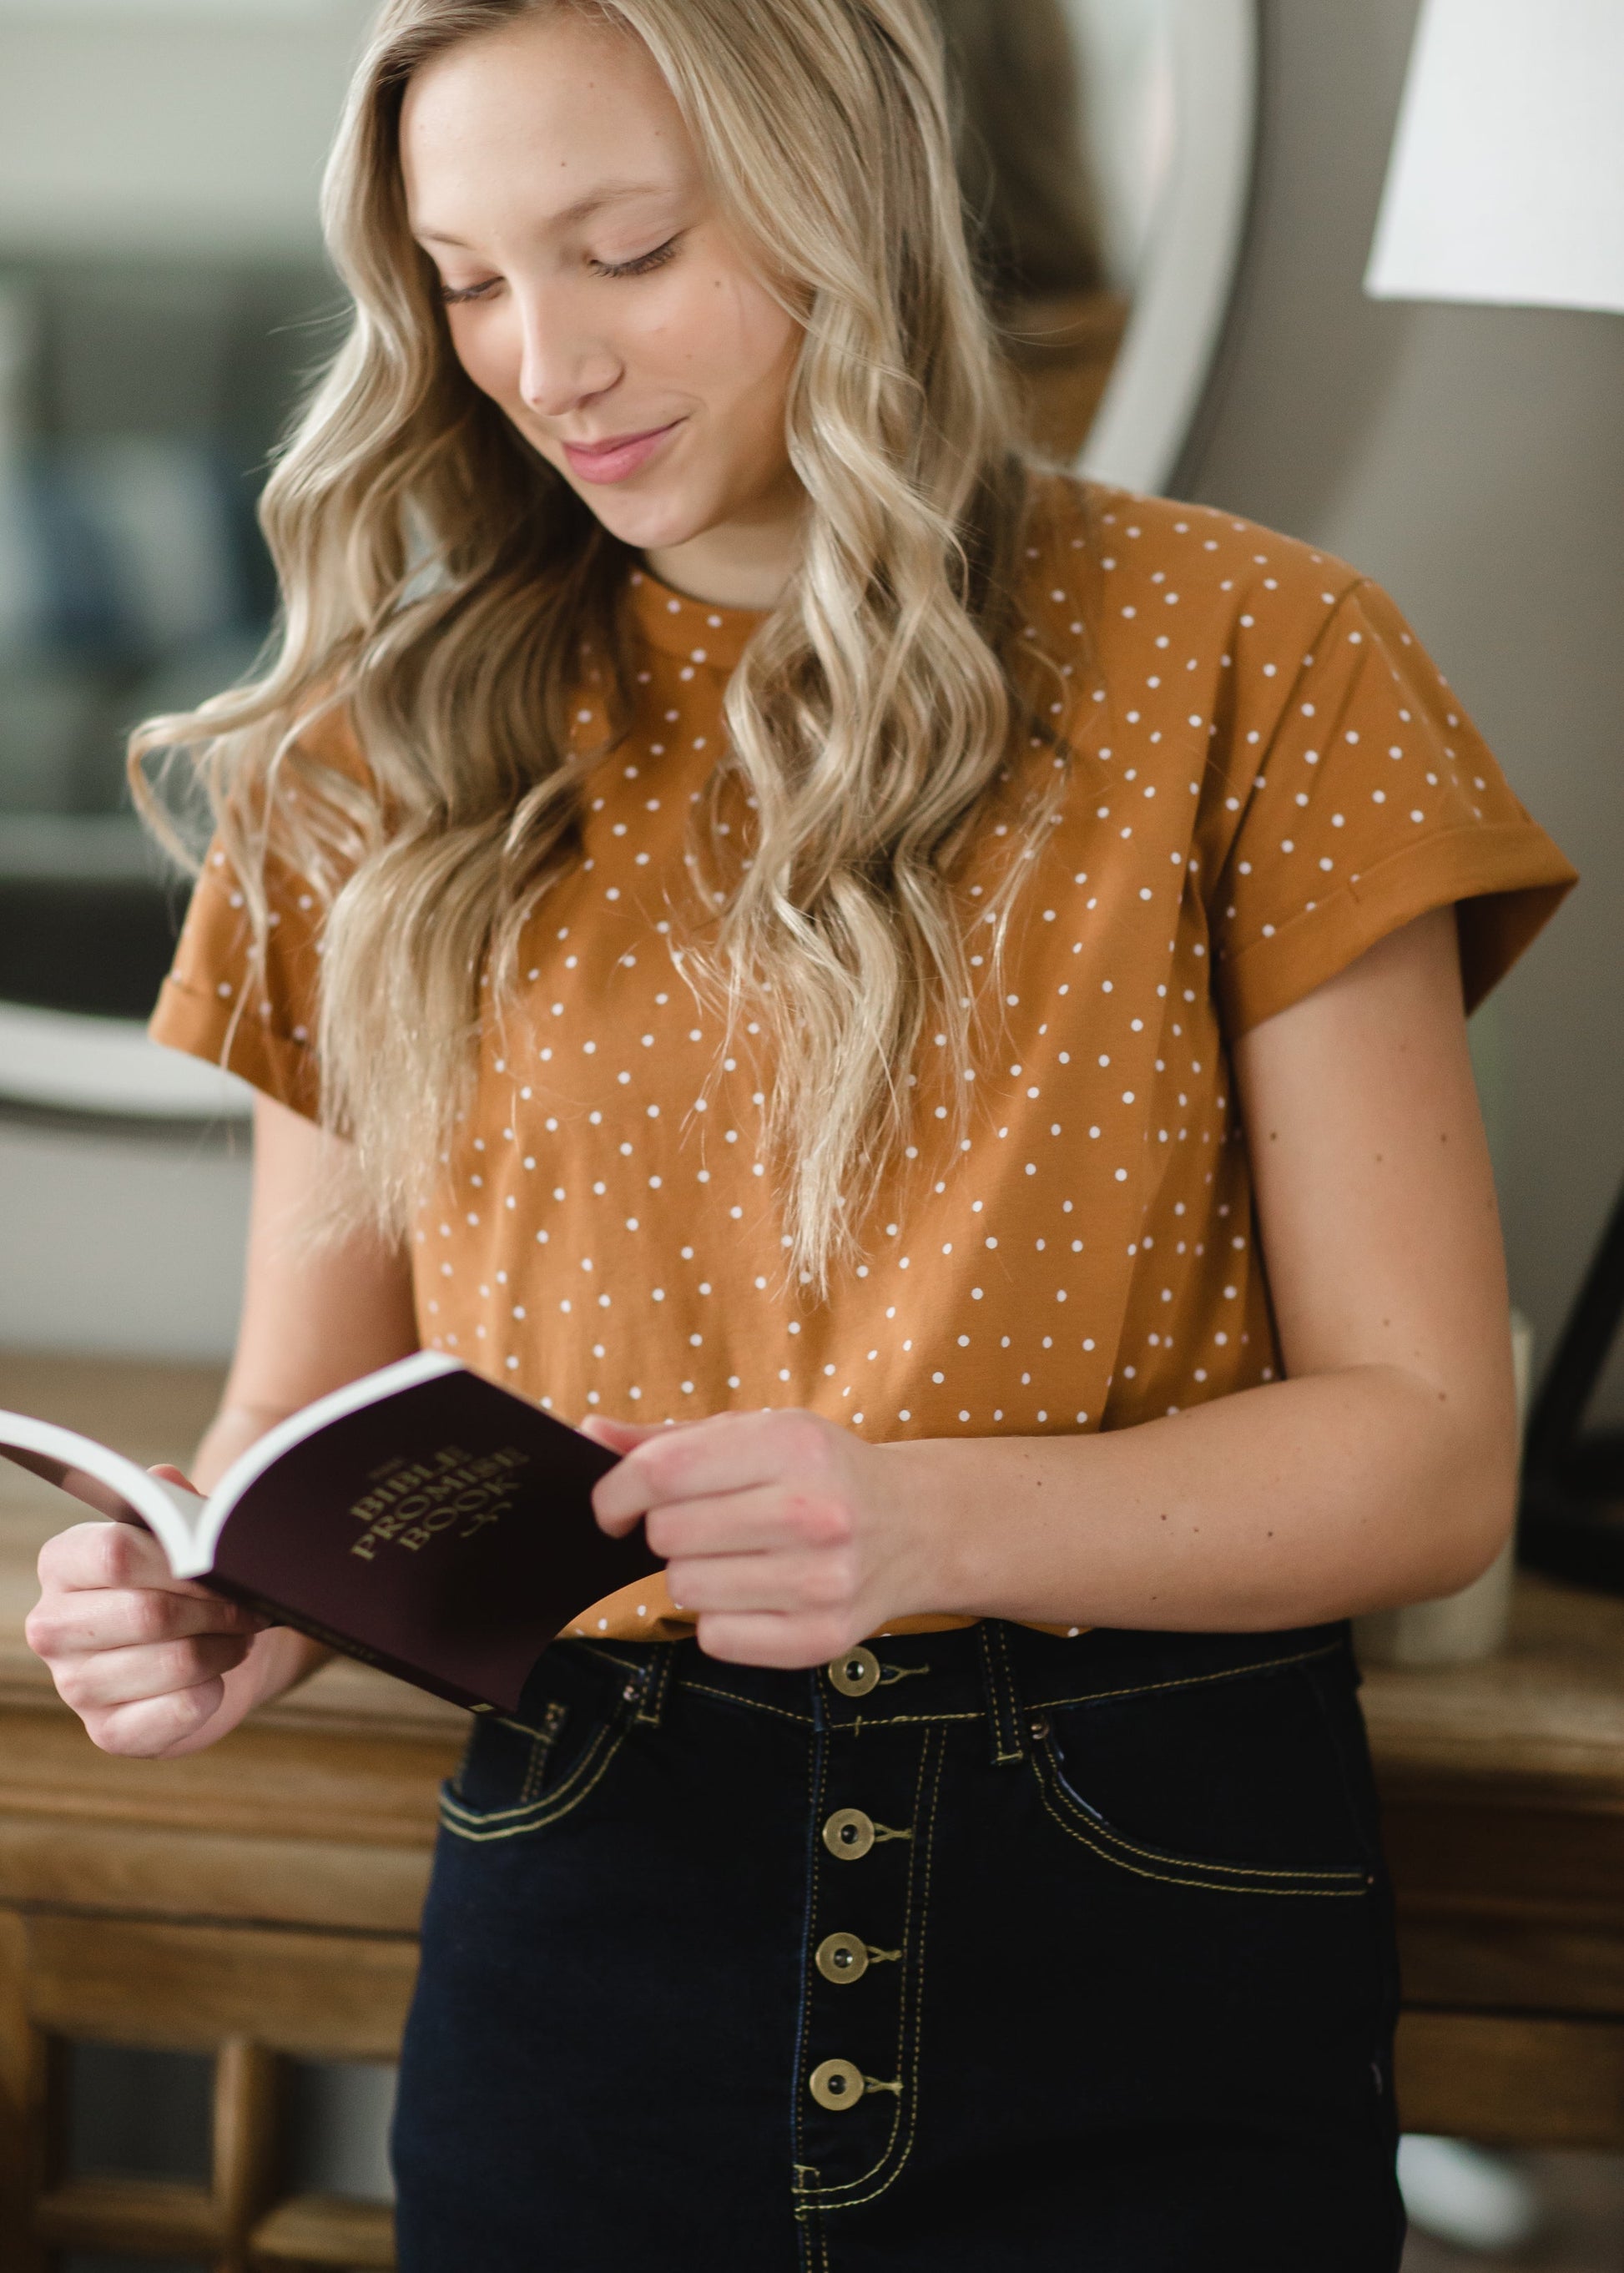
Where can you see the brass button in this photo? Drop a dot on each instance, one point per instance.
(842, 1957)
(849, 1833)
(837, 2084)
(856, 1673)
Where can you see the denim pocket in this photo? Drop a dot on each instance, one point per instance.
(1229, 1786)
(521, 1773)
(506, 1762)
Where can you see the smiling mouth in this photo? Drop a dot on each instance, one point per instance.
(614, 461)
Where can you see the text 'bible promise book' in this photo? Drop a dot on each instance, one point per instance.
(421, 1519)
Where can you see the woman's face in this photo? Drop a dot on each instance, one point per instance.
(595, 293)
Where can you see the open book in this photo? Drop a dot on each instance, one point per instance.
(421, 1519)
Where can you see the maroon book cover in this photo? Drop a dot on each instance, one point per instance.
(423, 1520)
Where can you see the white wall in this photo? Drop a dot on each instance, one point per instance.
(1473, 461)
(118, 1244)
(196, 126)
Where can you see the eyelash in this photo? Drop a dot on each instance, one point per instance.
(643, 266)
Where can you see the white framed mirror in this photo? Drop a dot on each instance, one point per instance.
(162, 290)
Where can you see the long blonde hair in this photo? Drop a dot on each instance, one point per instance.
(446, 591)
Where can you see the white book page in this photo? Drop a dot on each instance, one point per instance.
(174, 1515)
(188, 1526)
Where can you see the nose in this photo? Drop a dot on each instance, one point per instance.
(563, 362)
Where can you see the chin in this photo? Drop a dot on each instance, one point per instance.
(651, 522)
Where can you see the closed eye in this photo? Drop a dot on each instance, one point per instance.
(643, 266)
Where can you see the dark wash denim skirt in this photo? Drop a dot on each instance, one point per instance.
(972, 1953)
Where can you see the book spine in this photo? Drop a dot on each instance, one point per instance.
(277, 1614)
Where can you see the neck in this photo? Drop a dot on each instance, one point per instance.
(747, 562)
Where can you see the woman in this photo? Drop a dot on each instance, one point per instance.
(749, 907)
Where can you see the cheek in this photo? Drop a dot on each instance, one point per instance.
(483, 345)
(742, 350)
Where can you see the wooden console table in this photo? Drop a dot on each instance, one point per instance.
(259, 1902)
(1502, 1791)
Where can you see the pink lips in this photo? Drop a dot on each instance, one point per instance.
(616, 461)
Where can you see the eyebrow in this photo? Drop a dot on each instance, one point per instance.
(571, 216)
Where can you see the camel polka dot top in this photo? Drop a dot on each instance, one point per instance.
(1267, 775)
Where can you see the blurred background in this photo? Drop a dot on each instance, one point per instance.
(163, 296)
(162, 292)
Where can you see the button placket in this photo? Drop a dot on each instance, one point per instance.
(856, 2047)
(839, 2083)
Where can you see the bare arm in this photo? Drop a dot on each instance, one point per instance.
(1380, 1471)
(158, 1667)
(314, 1315)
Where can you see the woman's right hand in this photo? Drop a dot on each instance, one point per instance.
(154, 1666)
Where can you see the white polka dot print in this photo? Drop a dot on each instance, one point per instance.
(607, 1238)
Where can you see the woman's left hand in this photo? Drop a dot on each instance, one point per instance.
(786, 1536)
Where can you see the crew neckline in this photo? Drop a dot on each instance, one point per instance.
(691, 629)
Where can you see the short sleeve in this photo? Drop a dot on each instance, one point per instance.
(257, 1015)
(1373, 801)
(256, 1018)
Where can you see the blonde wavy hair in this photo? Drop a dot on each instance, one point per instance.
(444, 591)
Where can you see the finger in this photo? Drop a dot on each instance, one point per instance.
(157, 1727)
(173, 1475)
(791, 1644)
(124, 1676)
(729, 1452)
(764, 1519)
(101, 1555)
(619, 1436)
(72, 1625)
(783, 1584)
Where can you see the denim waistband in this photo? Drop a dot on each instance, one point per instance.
(992, 1670)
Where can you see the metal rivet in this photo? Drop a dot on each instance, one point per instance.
(835, 2084)
(842, 1957)
(849, 1833)
(854, 1673)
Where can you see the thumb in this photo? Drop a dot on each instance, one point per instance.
(233, 1613)
(172, 1475)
